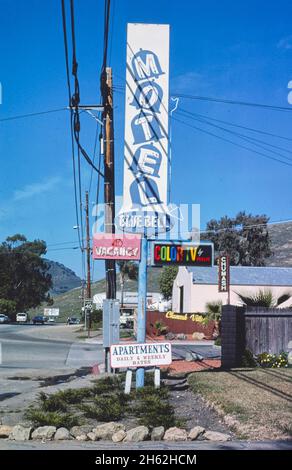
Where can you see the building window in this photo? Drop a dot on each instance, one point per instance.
(181, 299)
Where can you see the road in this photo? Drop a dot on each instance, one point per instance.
(27, 347)
(146, 445)
(53, 347)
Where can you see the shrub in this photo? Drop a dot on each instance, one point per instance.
(51, 418)
(51, 402)
(152, 407)
(272, 360)
(160, 328)
(218, 341)
(248, 359)
(109, 408)
(214, 310)
(107, 384)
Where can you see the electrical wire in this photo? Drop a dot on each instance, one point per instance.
(39, 113)
(233, 102)
(232, 142)
(65, 39)
(251, 129)
(252, 140)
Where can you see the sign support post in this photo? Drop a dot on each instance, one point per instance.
(142, 306)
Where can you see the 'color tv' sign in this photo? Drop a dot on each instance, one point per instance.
(116, 247)
(182, 254)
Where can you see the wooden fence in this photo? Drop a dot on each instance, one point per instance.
(267, 330)
(254, 328)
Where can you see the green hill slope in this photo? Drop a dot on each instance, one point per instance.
(70, 302)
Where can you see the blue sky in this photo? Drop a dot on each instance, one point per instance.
(231, 50)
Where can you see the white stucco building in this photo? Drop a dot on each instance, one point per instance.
(194, 287)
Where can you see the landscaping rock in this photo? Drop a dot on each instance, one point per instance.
(80, 430)
(107, 430)
(140, 433)
(290, 358)
(170, 336)
(44, 432)
(82, 437)
(157, 433)
(289, 347)
(5, 431)
(196, 432)
(62, 434)
(181, 336)
(20, 433)
(216, 436)
(119, 436)
(92, 436)
(198, 336)
(175, 434)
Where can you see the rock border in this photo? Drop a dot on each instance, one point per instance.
(112, 431)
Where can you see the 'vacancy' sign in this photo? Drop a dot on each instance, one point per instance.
(140, 355)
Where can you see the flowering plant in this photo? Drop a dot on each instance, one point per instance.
(272, 360)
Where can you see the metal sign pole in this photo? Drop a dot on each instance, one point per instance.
(142, 307)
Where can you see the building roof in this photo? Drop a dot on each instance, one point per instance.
(245, 275)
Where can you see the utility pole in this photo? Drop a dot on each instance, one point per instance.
(109, 179)
(109, 184)
(87, 311)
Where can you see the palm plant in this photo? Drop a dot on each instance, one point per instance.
(214, 310)
(264, 298)
(128, 269)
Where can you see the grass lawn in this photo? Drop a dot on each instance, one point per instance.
(256, 403)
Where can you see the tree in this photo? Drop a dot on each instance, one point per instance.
(166, 279)
(245, 238)
(264, 298)
(214, 309)
(24, 280)
(128, 269)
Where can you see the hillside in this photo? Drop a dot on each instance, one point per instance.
(64, 279)
(69, 302)
(281, 237)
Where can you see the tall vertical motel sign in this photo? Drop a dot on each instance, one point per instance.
(224, 275)
(144, 207)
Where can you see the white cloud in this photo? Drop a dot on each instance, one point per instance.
(285, 43)
(35, 189)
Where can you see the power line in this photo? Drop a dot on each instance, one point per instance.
(71, 119)
(39, 113)
(244, 137)
(232, 142)
(251, 129)
(233, 102)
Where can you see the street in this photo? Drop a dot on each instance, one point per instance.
(27, 347)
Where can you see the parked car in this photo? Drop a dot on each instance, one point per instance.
(126, 320)
(51, 320)
(21, 317)
(4, 318)
(73, 321)
(39, 320)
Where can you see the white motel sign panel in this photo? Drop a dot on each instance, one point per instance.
(140, 355)
(146, 129)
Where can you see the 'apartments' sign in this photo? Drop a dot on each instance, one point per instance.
(140, 355)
